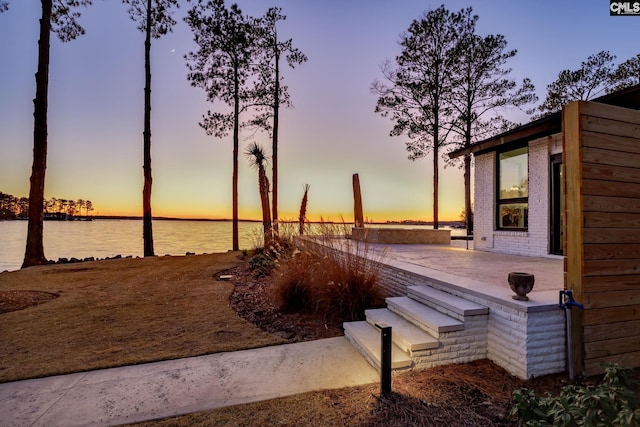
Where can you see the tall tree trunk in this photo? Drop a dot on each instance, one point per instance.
(263, 184)
(468, 215)
(147, 230)
(234, 190)
(34, 252)
(274, 145)
(436, 154)
(435, 187)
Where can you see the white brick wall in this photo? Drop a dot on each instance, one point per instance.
(484, 201)
(526, 340)
(534, 241)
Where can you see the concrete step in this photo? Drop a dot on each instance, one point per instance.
(424, 317)
(450, 303)
(404, 334)
(366, 339)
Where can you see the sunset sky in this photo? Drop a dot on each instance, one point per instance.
(96, 106)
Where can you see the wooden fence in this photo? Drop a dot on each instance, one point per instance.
(601, 158)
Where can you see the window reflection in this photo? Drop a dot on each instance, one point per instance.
(514, 179)
(515, 215)
(513, 191)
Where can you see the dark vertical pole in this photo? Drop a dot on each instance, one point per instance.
(358, 216)
(385, 368)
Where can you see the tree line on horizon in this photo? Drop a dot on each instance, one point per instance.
(18, 207)
(445, 90)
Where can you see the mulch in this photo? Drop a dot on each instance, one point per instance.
(253, 300)
(21, 299)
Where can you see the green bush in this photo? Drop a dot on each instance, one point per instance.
(262, 264)
(612, 403)
(266, 259)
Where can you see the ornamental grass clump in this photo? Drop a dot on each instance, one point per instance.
(332, 276)
(614, 402)
(292, 289)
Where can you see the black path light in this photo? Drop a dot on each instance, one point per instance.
(385, 358)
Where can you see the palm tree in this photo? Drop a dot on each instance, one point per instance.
(257, 158)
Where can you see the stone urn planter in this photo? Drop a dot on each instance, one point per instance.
(521, 284)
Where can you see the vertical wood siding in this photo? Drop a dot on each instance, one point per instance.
(601, 160)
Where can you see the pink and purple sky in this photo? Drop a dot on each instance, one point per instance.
(96, 106)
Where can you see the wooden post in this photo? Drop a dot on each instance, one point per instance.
(574, 222)
(601, 150)
(358, 216)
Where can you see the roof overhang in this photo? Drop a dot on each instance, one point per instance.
(548, 125)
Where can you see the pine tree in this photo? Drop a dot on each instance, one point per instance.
(154, 20)
(60, 18)
(222, 66)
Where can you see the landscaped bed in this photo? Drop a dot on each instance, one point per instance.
(117, 312)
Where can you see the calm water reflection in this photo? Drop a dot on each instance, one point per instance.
(106, 238)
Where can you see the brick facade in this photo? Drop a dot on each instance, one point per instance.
(534, 241)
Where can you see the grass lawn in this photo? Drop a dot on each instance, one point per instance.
(121, 312)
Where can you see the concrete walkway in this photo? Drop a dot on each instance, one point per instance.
(162, 389)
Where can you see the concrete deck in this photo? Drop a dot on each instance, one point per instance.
(488, 267)
(481, 273)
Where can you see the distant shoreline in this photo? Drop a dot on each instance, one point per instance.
(452, 224)
(404, 222)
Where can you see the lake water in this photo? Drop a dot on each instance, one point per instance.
(107, 238)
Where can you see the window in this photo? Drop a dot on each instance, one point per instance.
(513, 190)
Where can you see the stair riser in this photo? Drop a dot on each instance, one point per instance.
(371, 360)
(435, 332)
(370, 348)
(405, 345)
(442, 309)
(460, 338)
(404, 334)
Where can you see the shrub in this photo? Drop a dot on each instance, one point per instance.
(262, 264)
(291, 283)
(336, 279)
(612, 403)
(266, 259)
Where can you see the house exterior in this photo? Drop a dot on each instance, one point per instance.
(518, 187)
